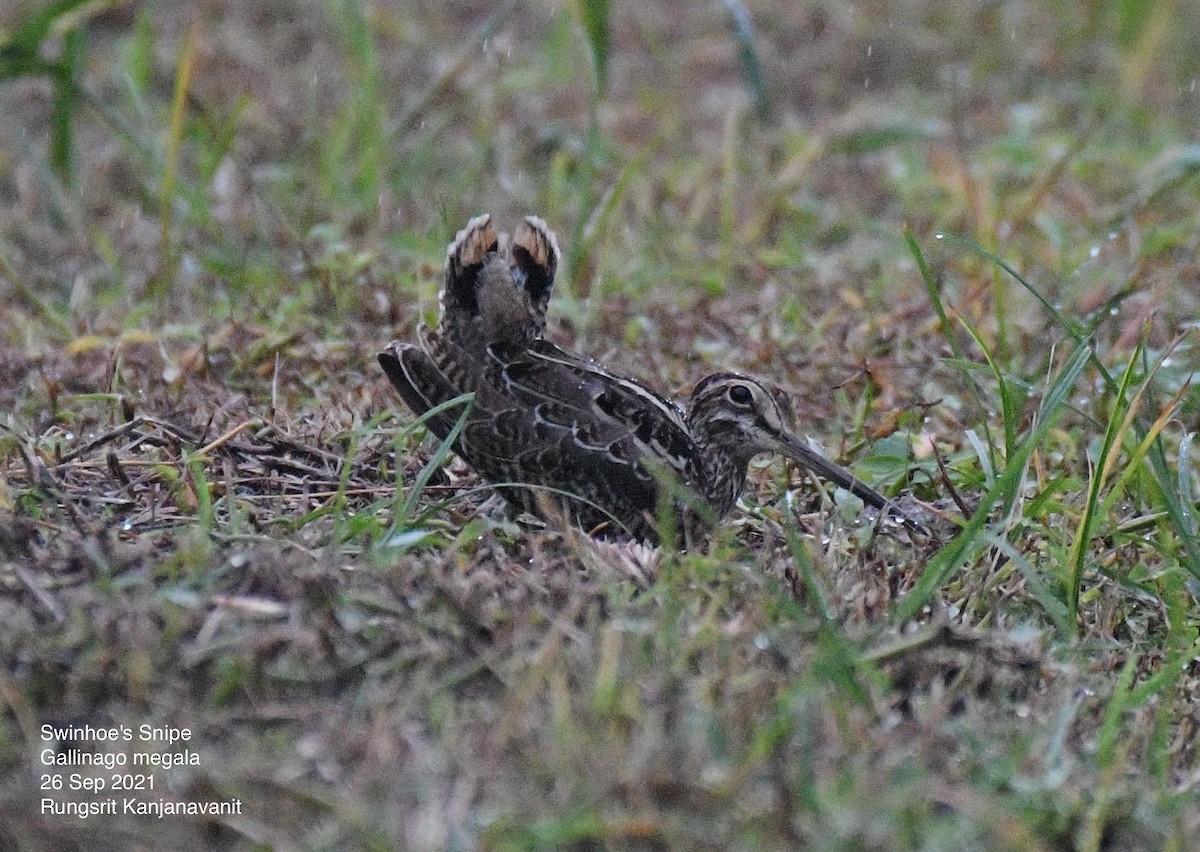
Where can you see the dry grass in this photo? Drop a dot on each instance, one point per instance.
(215, 514)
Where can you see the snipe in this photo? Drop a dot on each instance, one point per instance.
(557, 433)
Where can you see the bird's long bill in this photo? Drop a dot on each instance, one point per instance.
(791, 446)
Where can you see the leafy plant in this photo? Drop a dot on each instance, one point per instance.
(22, 54)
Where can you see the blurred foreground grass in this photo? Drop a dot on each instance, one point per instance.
(964, 238)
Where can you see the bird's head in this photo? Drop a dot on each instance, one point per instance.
(742, 417)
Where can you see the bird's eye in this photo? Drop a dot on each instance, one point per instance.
(740, 395)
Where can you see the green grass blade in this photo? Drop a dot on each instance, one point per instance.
(935, 294)
(1158, 459)
(971, 539)
(1109, 750)
(1157, 454)
(164, 279)
(1175, 509)
(1143, 449)
(802, 559)
(587, 235)
(353, 154)
(960, 358)
(1069, 325)
(445, 447)
(742, 27)
(987, 464)
(1171, 494)
(1187, 501)
(1050, 603)
(62, 107)
(339, 497)
(1009, 407)
(594, 17)
(1117, 425)
(204, 502)
(19, 55)
(671, 495)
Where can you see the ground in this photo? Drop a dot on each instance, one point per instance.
(963, 238)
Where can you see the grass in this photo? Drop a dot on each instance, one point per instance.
(963, 239)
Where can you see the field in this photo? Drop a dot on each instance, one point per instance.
(963, 238)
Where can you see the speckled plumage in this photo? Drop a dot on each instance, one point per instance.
(556, 432)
